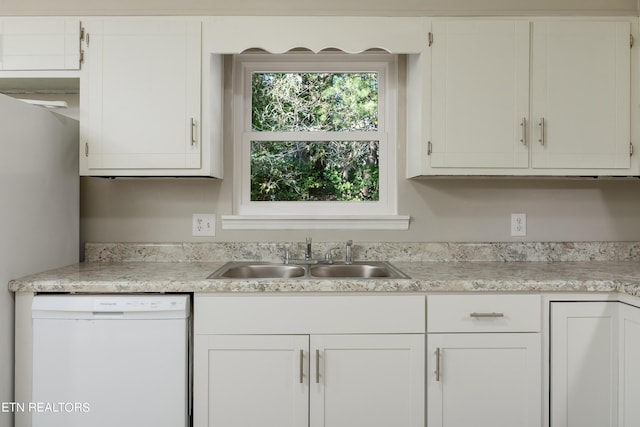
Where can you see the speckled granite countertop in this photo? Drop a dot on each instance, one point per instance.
(433, 267)
(120, 277)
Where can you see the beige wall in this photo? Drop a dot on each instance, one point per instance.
(471, 209)
(159, 210)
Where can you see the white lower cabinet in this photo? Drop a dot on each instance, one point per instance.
(253, 380)
(323, 378)
(367, 380)
(484, 380)
(484, 361)
(584, 364)
(629, 384)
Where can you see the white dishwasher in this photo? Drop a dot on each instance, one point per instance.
(110, 360)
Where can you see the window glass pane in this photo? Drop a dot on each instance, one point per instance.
(290, 102)
(314, 171)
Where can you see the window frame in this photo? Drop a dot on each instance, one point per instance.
(385, 65)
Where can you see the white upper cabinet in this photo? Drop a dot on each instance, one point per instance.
(480, 94)
(581, 95)
(39, 44)
(522, 97)
(140, 98)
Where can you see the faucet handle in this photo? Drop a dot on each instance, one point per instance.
(328, 256)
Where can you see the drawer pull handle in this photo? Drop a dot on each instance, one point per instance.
(486, 315)
(301, 366)
(317, 366)
(438, 356)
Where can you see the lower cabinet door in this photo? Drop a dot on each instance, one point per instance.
(367, 380)
(584, 364)
(484, 379)
(251, 380)
(300, 380)
(629, 336)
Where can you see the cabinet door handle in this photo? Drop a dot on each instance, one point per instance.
(523, 130)
(541, 124)
(301, 366)
(438, 356)
(485, 315)
(317, 366)
(194, 138)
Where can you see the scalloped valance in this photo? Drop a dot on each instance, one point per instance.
(279, 34)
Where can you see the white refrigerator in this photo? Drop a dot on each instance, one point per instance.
(39, 214)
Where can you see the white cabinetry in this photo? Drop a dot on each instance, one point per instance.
(581, 91)
(484, 360)
(629, 384)
(337, 374)
(367, 379)
(480, 92)
(140, 98)
(584, 364)
(252, 380)
(39, 44)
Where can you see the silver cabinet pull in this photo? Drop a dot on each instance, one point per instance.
(541, 124)
(523, 130)
(301, 366)
(317, 366)
(485, 315)
(438, 356)
(194, 138)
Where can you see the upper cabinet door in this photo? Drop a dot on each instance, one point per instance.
(39, 44)
(581, 86)
(140, 98)
(480, 95)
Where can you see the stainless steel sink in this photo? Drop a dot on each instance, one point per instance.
(365, 270)
(253, 270)
(263, 270)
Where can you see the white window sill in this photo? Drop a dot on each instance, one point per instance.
(309, 222)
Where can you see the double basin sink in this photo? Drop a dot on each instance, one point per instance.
(336, 270)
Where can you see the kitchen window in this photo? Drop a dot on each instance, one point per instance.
(314, 139)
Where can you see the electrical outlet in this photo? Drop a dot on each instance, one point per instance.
(518, 224)
(203, 225)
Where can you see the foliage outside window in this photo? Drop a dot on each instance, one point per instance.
(314, 134)
(314, 170)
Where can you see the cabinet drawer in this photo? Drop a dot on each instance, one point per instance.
(483, 313)
(215, 314)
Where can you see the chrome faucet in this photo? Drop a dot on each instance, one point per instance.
(287, 255)
(307, 252)
(348, 259)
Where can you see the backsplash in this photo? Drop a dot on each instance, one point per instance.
(388, 251)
